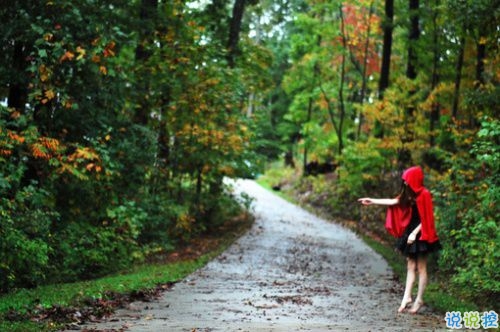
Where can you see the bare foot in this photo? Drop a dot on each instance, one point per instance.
(404, 305)
(416, 307)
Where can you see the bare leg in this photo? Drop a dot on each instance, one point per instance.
(410, 279)
(422, 283)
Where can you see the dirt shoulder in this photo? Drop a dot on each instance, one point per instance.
(292, 271)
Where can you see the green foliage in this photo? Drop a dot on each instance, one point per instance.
(469, 211)
(360, 165)
(118, 132)
(23, 309)
(432, 120)
(87, 251)
(25, 233)
(276, 175)
(162, 214)
(26, 210)
(486, 148)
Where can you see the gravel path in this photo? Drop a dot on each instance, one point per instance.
(291, 272)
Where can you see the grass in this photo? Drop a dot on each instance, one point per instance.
(143, 277)
(64, 294)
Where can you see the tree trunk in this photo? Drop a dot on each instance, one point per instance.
(164, 137)
(289, 162)
(458, 77)
(365, 65)
(480, 58)
(310, 107)
(147, 13)
(384, 81)
(387, 25)
(341, 87)
(434, 118)
(18, 93)
(234, 31)
(404, 155)
(304, 157)
(414, 34)
(199, 185)
(17, 99)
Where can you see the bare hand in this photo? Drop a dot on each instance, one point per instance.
(411, 238)
(365, 201)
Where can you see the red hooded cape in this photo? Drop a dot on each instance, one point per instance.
(398, 217)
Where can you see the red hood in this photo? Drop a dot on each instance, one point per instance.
(398, 217)
(414, 176)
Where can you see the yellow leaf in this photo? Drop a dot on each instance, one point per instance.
(81, 53)
(50, 94)
(44, 73)
(67, 56)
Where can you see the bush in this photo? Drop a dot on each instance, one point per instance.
(468, 210)
(359, 174)
(25, 232)
(361, 166)
(162, 213)
(88, 251)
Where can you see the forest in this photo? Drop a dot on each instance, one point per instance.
(120, 120)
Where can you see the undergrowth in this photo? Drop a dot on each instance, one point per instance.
(52, 307)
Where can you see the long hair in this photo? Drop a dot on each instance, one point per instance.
(406, 195)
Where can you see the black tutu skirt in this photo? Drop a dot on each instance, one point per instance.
(416, 249)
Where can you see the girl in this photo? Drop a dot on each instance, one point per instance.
(410, 218)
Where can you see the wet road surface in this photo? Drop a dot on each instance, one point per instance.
(292, 271)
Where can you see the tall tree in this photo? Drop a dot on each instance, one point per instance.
(404, 155)
(387, 27)
(18, 92)
(148, 12)
(367, 59)
(234, 31)
(458, 75)
(342, 106)
(434, 116)
(413, 37)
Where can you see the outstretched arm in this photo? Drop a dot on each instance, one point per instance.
(378, 201)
